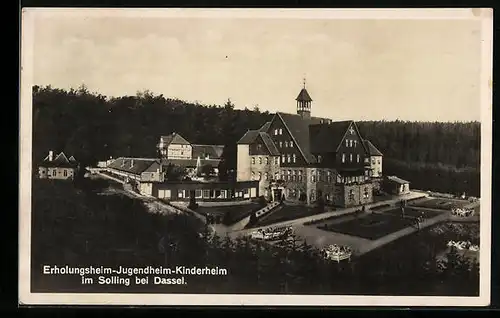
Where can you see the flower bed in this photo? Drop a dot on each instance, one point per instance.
(272, 233)
(462, 212)
(463, 245)
(337, 252)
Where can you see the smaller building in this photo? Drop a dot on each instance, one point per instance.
(60, 167)
(138, 171)
(375, 159)
(397, 186)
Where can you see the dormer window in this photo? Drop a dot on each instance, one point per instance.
(347, 143)
(357, 158)
(343, 157)
(319, 159)
(281, 144)
(288, 158)
(286, 144)
(294, 158)
(276, 132)
(355, 143)
(281, 131)
(350, 143)
(291, 144)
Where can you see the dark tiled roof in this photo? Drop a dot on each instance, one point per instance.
(125, 164)
(269, 144)
(250, 136)
(304, 96)
(59, 161)
(372, 150)
(265, 127)
(299, 129)
(214, 151)
(191, 163)
(174, 138)
(327, 137)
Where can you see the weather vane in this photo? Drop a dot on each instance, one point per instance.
(304, 81)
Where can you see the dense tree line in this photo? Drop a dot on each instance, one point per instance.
(78, 227)
(94, 127)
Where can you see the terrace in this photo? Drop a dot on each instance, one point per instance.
(286, 213)
(229, 214)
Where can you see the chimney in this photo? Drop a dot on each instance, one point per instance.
(51, 155)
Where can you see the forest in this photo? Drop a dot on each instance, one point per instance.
(74, 224)
(434, 156)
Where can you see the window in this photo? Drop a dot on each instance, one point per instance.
(294, 158)
(313, 178)
(266, 176)
(281, 131)
(373, 161)
(253, 160)
(281, 144)
(351, 195)
(276, 176)
(267, 160)
(260, 175)
(291, 144)
(357, 157)
(355, 143)
(206, 193)
(365, 194)
(319, 158)
(378, 161)
(350, 157)
(286, 144)
(276, 160)
(347, 143)
(197, 193)
(282, 158)
(343, 157)
(180, 194)
(65, 173)
(223, 194)
(350, 143)
(288, 158)
(276, 132)
(54, 172)
(260, 160)
(253, 175)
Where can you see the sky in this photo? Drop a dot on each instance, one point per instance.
(359, 69)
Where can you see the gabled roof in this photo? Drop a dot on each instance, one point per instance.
(251, 136)
(372, 150)
(304, 96)
(174, 138)
(298, 128)
(397, 180)
(139, 164)
(59, 161)
(213, 151)
(327, 137)
(265, 127)
(269, 144)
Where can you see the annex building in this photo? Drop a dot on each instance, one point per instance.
(298, 157)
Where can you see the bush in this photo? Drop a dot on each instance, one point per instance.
(262, 201)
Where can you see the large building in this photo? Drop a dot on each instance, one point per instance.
(299, 157)
(175, 149)
(60, 167)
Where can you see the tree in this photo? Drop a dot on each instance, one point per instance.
(207, 170)
(175, 173)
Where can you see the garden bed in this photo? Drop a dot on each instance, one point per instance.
(371, 226)
(414, 212)
(441, 204)
(229, 214)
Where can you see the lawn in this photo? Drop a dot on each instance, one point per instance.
(371, 226)
(442, 204)
(236, 212)
(288, 212)
(413, 212)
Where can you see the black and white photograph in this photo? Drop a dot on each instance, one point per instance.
(255, 157)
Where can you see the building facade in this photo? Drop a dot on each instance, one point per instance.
(141, 172)
(318, 158)
(258, 160)
(176, 150)
(59, 168)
